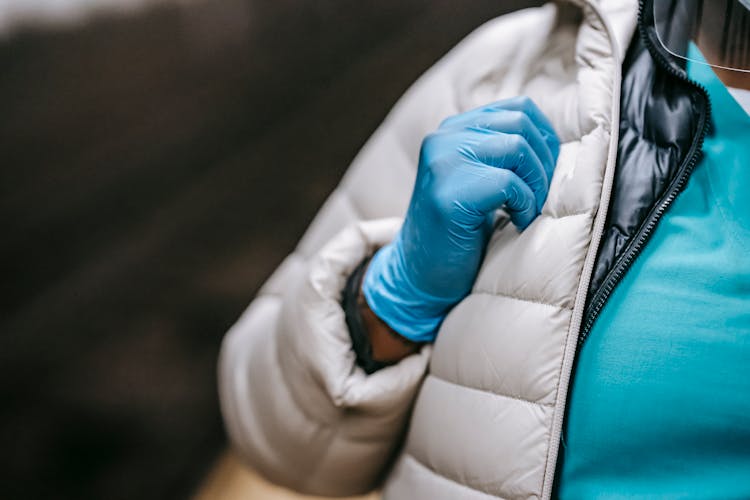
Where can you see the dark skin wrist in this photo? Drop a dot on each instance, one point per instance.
(386, 344)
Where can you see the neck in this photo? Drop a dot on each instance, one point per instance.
(730, 78)
(734, 79)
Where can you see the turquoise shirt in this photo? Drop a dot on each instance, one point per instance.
(660, 403)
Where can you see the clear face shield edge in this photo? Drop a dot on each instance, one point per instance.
(720, 29)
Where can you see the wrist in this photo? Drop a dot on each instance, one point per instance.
(374, 343)
(386, 345)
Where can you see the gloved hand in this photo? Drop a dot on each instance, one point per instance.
(500, 155)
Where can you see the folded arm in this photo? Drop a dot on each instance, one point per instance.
(295, 403)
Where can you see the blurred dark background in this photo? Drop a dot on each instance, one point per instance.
(155, 167)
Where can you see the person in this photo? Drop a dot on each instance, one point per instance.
(564, 309)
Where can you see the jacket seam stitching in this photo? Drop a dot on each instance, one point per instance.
(522, 299)
(494, 393)
(413, 458)
(565, 216)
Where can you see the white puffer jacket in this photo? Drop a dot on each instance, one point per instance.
(488, 413)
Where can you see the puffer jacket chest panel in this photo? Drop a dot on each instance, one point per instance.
(488, 417)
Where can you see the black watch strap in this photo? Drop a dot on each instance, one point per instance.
(357, 331)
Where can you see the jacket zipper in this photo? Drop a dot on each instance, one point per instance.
(578, 311)
(678, 184)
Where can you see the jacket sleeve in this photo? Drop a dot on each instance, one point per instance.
(295, 403)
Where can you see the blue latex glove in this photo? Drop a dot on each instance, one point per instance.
(500, 155)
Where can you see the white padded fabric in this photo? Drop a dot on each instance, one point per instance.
(486, 419)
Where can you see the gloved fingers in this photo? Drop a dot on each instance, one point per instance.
(512, 122)
(513, 152)
(446, 142)
(527, 106)
(521, 103)
(500, 187)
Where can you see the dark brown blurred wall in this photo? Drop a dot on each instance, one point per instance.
(154, 169)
